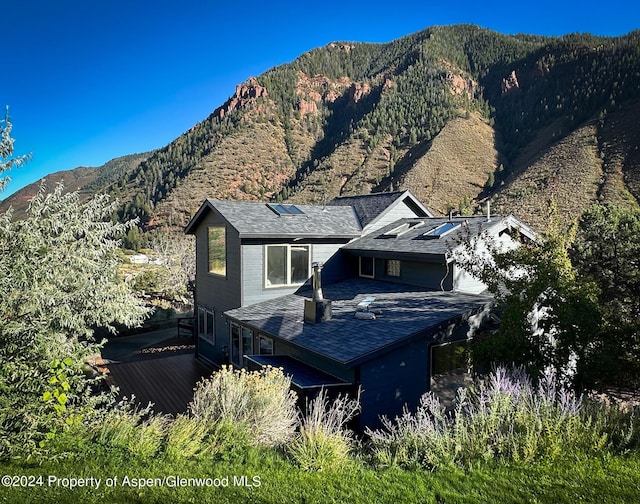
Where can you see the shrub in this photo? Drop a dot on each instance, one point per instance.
(506, 417)
(259, 402)
(132, 430)
(323, 441)
(185, 438)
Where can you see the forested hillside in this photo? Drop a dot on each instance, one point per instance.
(457, 114)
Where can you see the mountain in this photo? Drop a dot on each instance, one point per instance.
(85, 180)
(458, 114)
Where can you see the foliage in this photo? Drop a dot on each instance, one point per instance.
(607, 252)
(57, 283)
(549, 317)
(258, 402)
(7, 159)
(177, 256)
(503, 418)
(323, 440)
(593, 480)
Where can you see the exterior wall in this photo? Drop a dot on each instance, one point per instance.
(253, 257)
(393, 380)
(422, 274)
(399, 211)
(214, 292)
(464, 282)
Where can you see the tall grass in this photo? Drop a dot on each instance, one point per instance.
(505, 417)
(323, 440)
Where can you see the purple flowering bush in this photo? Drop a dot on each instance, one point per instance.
(504, 417)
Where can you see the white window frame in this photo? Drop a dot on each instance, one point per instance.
(242, 351)
(288, 282)
(373, 260)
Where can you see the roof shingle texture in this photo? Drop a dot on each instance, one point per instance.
(368, 206)
(258, 220)
(406, 311)
(413, 241)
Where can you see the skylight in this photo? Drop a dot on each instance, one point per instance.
(283, 210)
(441, 230)
(401, 229)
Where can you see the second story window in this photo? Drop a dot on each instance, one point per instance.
(217, 248)
(286, 265)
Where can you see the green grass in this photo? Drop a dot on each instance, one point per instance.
(607, 479)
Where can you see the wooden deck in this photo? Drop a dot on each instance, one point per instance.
(167, 382)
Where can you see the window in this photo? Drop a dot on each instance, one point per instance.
(393, 267)
(367, 265)
(450, 370)
(286, 265)
(402, 229)
(441, 230)
(217, 244)
(247, 344)
(283, 210)
(265, 345)
(241, 344)
(235, 344)
(206, 325)
(209, 335)
(202, 327)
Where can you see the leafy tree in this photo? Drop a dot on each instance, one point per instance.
(58, 283)
(607, 251)
(177, 254)
(7, 159)
(550, 318)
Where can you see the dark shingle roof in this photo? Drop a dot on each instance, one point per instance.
(368, 206)
(407, 311)
(412, 241)
(253, 220)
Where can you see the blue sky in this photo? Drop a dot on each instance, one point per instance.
(87, 81)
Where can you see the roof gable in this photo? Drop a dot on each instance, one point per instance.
(371, 208)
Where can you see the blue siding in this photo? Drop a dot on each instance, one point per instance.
(422, 274)
(214, 292)
(253, 288)
(392, 381)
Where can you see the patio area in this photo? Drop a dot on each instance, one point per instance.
(155, 367)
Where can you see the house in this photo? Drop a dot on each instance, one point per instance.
(358, 293)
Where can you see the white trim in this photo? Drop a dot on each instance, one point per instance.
(373, 259)
(287, 265)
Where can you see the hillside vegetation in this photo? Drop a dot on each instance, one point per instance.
(457, 114)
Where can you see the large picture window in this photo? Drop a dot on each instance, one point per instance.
(217, 245)
(450, 370)
(286, 265)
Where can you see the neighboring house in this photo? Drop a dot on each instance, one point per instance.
(383, 257)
